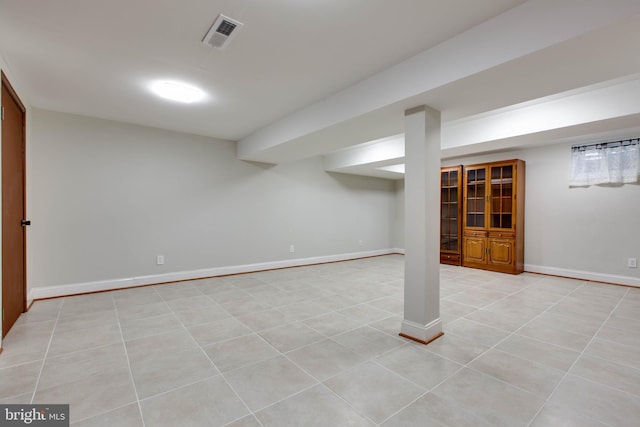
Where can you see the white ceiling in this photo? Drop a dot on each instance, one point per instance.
(97, 58)
(94, 57)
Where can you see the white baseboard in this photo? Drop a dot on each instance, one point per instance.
(45, 292)
(106, 285)
(584, 275)
(423, 333)
(574, 274)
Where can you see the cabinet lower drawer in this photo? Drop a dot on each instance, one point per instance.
(501, 235)
(474, 233)
(452, 259)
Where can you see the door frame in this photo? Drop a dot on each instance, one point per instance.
(4, 81)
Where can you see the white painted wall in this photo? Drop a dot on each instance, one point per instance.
(398, 219)
(107, 197)
(579, 232)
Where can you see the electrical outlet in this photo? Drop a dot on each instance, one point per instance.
(160, 259)
(632, 263)
(360, 242)
(292, 249)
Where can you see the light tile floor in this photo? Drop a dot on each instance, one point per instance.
(319, 346)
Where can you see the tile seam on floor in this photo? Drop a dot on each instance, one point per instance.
(107, 412)
(356, 410)
(322, 337)
(427, 390)
(574, 295)
(467, 365)
(186, 330)
(567, 373)
(322, 383)
(46, 353)
(542, 343)
(637, 348)
(305, 389)
(516, 332)
(462, 338)
(126, 353)
(635, 395)
(500, 381)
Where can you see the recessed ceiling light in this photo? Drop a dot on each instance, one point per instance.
(177, 91)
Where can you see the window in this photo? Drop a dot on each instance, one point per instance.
(605, 163)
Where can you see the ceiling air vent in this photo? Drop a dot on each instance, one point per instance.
(222, 31)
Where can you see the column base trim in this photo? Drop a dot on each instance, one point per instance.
(418, 340)
(424, 334)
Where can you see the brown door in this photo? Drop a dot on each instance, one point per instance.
(13, 207)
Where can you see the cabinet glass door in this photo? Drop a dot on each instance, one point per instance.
(449, 211)
(475, 197)
(502, 197)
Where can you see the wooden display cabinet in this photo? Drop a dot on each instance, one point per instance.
(493, 216)
(450, 213)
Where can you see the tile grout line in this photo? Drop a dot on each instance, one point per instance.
(510, 334)
(46, 353)
(186, 330)
(126, 353)
(427, 390)
(430, 390)
(370, 359)
(318, 382)
(373, 359)
(305, 389)
(548, 399)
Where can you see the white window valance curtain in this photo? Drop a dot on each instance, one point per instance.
(605, 163)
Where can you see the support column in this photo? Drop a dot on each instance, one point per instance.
(422, 225)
